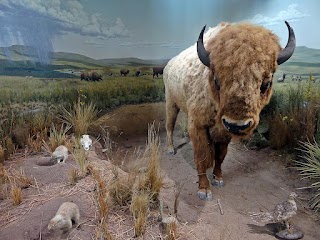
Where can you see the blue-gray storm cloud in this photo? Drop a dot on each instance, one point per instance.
(24, 26)
(37, 23)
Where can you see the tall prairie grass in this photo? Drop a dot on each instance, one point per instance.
(293, 116)
(108, 93)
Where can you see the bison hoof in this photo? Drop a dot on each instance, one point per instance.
(205, 195)
(218, 183)
(171, 151)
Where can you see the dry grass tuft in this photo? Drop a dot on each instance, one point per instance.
(9, 147)
(35, 143)
(58, 136)
(81, 116)
(102, 195)
(4, 178)
(121, 188)
(16, 194)
(23, 180)
(103, 232)
(139, 208)
(107, 144)
(152, 180)
(102, 201)
(73, 176)
(81, 158)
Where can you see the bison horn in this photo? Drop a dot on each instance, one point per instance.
(202, 52)
(287, 52)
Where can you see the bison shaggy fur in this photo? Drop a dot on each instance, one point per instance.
(222, 99)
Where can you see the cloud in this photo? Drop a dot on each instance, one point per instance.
(292, 14)
(95, 43)
(149, 44)
(68, 15)
(36, 23)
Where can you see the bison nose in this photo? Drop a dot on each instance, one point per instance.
(237, 126)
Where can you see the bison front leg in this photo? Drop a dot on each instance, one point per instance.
(203, 157)
(171, 116)
(220, 149)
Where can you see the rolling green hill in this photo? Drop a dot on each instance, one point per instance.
(303, 61)
(19, 57)
(24, 55)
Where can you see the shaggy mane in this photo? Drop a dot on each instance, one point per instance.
(240, 46)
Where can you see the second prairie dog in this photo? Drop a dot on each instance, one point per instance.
(60, 154)
(66, 213)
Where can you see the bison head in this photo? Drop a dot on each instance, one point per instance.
(242, 59)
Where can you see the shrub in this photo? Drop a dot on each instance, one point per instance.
(293, 119)
(80, 117)
(309, 167)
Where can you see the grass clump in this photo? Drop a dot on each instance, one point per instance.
(139, 208)
(21, 178)
(309, 167)
(58, 137)
(121, 188)
(73, 176)
(16, 194)
(81, 116)
(81, 158)
(152, 180)
(293, 118)
(102, 202)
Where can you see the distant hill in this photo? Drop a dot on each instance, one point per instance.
(133, 61)
(23, 59)
(303, 61)
(20, 54)
(306, 55)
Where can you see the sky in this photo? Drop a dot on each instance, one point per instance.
(146, 29)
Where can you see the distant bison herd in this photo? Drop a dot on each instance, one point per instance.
(93, 76)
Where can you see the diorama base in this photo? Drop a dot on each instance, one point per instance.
(292, 234)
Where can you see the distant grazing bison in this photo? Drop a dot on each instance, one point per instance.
(124, 72)
(96, 76)
(91, 76)
(137, 73)
(157, 71)
(84, 76)
(222, 83)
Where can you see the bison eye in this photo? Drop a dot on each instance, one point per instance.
(265, 86)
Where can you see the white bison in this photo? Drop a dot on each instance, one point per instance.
(222, 83)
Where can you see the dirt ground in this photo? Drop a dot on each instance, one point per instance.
(254, 181)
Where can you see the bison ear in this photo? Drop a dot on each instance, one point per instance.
(202, 52)
(287, 52)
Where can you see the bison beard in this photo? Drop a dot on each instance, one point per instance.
(222, 83)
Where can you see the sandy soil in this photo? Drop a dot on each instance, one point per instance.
(254, 181)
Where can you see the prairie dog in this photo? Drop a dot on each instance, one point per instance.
(66, 213)
(60, 154)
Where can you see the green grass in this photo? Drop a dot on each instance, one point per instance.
(109, 93)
